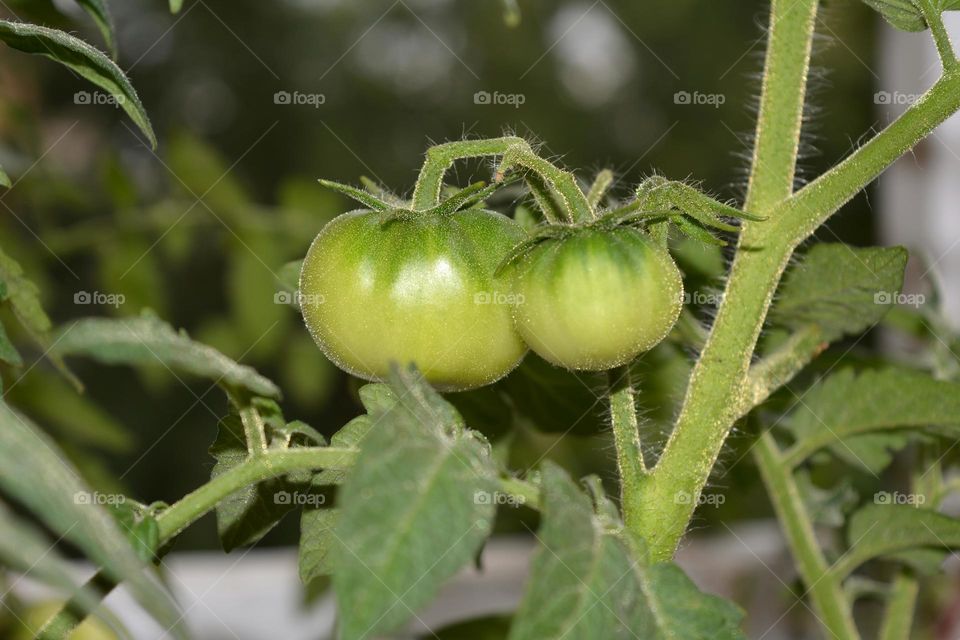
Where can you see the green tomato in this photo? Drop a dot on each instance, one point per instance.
(34, 617)
(596, 299)
(415, 288)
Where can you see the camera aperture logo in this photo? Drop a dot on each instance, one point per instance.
(299, 499)
(496, 98)
(696, 98)
(114, 300)
(895, 98)
(498, 498)
(297, 98)
(498, 297)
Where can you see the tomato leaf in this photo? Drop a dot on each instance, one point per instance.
(843, 289)
(25, 548)
(246, 515)
(8, 352)
(101, 16)
(5, 179)
(32, 472)
(85, 60)
(410, 517)
(147, 340)
(861, 418)
(905, 14)
(175, 6)
(23, 296)
(583, 559)
(317, 549)
(890, 530)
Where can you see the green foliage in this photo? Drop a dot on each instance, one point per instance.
(410, 512)
(147, 340)
(84, 60)
(101, 16)
(906, 15)
(886, 530)
(583, 558)
(862, 418)
(34, 474)
(840, 288)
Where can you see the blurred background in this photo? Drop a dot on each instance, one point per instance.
(253, 102)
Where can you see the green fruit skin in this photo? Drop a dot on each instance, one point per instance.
(596, 299)
(31, 620)
(419, 289)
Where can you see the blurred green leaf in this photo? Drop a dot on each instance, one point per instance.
(203, 173)
(583, 559)
(5, 179)
(24, 298)
(83, 59)
(888, 529)
(8, 352)
(905, 14)
(74, 417)
(410, 517)
(175, 6)
(33, 473)
(147, 340)
(843, 289)
(861, 418)
(101, 16)
(25, 549)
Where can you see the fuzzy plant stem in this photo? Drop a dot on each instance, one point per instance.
(626, 436)
(426, 193)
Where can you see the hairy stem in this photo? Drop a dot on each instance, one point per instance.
(781, 103)
(254, 430)
(780, 366)
(825, 590)
(626, 436)
(426, 193)
(934, 18)
(898, 614)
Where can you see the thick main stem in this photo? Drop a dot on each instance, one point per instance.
(825, 590)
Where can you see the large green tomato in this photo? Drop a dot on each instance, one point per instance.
(376, 288)
(30, 621)
(597, 298)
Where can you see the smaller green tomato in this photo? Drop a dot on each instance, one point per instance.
(34, 617)
(376, 288)
(596, 299)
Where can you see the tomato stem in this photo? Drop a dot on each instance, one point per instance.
(439, 159)
(933, 15)
(575, 206)
(626, 437)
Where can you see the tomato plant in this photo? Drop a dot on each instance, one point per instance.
(606, 438)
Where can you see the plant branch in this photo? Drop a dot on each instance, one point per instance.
(898, 614)
(933, 16)
(626, 436)
(254, 430)
(775, 370)
(825, 589)
(439, 158)
(271, 464)
(781, 103)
